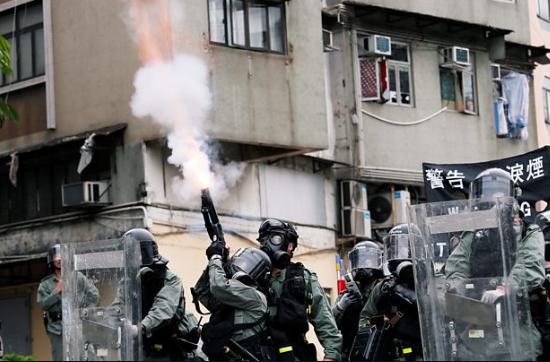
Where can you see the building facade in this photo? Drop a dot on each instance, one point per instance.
(416, 82)
(326, 128)
(75, 64)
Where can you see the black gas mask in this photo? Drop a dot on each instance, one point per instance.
(275, 236)
(365, 276)
(276, 246)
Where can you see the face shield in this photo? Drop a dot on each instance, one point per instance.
(54, 254)
(396, 247)
(366, 264)
(363, 257)
(488, 187)
(397, 252)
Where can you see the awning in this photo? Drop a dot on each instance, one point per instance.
(6, 261)
(413, 25)
(106, 131)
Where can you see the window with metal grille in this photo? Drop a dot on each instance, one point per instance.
(248, 24)
(23, 28)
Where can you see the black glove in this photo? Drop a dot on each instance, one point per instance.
(215, 249)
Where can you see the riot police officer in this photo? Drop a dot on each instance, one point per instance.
(235, 293)
(164, 324)
(393, 303)
(297, 299)
(476, 256)
(542, 318)
(366, 268)
(49, 299)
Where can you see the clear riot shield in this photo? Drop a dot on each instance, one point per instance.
(467, 248)
(101, 300)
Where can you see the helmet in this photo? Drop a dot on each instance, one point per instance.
(493, 182)
(543, 221)
(54, 254)
(397, 251)
(250, 266)
(274, 237)
(366, 262)
(149, 248)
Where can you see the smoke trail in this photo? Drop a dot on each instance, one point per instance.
(173, 90)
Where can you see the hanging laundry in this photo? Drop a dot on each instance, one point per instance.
(86, 153)
(14, 167)
(516, 93)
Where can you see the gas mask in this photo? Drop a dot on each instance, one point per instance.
(405, 274)
(365, 276)
(276, 245)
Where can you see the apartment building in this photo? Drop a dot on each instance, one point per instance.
(539, 22)
(417, 82)
(81, 166)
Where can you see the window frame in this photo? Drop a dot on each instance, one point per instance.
(229, 33)
(16, 35)
(461, 72)
(397, 64)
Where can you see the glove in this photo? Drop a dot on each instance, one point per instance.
(347, 300)
(492, 297)
(215, 249)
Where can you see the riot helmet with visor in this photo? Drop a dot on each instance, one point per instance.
(250, 266)
(148, 245)
(365, 260)
(54, 254)
(490, 184)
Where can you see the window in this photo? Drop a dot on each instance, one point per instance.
(23, 27)
(248, 24)
(40, 176)
(387, 79)
(399, 73)
(544, 9)
(458, 86)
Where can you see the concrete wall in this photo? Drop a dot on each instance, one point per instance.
(451, 137)
(95, 61)
(290, 108)
(540, 36)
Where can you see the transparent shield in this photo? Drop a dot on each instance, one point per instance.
(101, 300)
(472, 296)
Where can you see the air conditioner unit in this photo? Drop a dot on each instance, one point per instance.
(495, 72)
(356, 222)
(374, 45)
(453, 56)
(86, 194)
(353, 194)
(380, 206)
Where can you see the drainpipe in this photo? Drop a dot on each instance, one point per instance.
(357, 115)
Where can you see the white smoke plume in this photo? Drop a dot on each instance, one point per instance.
(173, 90)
